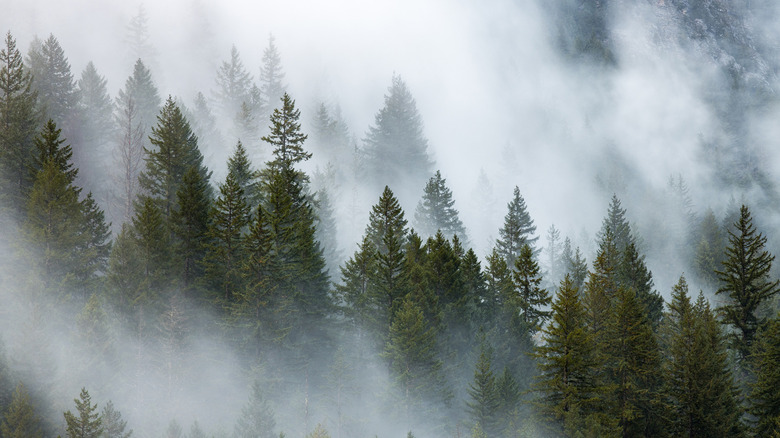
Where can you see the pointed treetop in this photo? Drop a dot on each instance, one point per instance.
(271, 74)
(435, 210)
(518, 230)
(286, 136)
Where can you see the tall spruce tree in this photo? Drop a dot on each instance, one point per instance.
(395, 146)
(20, 419)
(699, 385)
(54, 83)
(574, 264)
(113, 424)
(271, 78)
(533, 299)
(175, 152)
(233, 84)
(257, 417)
(518, 230)
(484, 403)
(764, 397)
(190, 223)
(230, 216)
(87, 423)
(141, 90)
(18, 124)
(568, 390)
(240, 167)
(745, 280)
(435, 211)
(50, 148)
(97, 132)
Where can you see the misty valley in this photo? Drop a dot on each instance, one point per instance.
(541, 219)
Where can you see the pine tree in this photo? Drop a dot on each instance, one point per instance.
(230, 215)
(532, 298)
(574, 264)
(554, 256)
(113, 424)
(271, 76)
(699, 384)
(18, 124)
(327, 233)
(97, 131)
(617, 224)
(190, 222)
(240, 167)
(88, 423)
(257, 418)
(286, 137)
(137, 37)
(233, 84)
(745, 279)
(410, 351)
(566, 384)
(142, 92)
(484, 402)
(764, 398)
(50, 148)
(53, 81)
(176, 150)
(632, 273)
(395, 146)
(20, 420)
(354, 293)
(435, 212)
(710, 248)
(204, 125)
(246, 124)
(517, 231)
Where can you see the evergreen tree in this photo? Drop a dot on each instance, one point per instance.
(484, 404)
(395, 146)
(331, 137)
(566, 384)
(137, 37)
(50, 148)
(354, 293)
(633, 274)
(229, 217)
(710, 248)
(554, 256)
(745, 279)
(435, 212)
(176, 150)
(574, 264)
(124, 270)
(286, 137)
(257, 418)
(246, 124)
(271, 76)
(190, 223)
(53, 81)
(233, 84)
(517, 231)
(617, 224)
(204, 125)
(18, 124)
(113, 424)
(764, 397)
(386, 218)
(151, 239)
(410, 351)
(699, 384)
(20, 420)
(327, 233)
(88, 423)
(96, 131)
(240, 167)
(142, 92)
(532, 298)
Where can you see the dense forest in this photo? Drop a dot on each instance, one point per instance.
(244, 262)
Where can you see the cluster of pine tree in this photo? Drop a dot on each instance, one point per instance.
(503, 350)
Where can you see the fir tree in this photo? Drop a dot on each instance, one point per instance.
(353, 292)
(554, 256)
(618, 226)
(233, 84)
(53, 81)
(176, 150)
(435, 212)
(18, 123)
(327, 233)
(517, 231)
(97, 130)
(20, 420)
(257, 418)
(710, 248)
(566, 385)
(246, 124)
(764, 397)
(113, 424)
(286, 137)
(271, 76)
(88, 423)
(137, 37)
(225, 250)
(484, 403)
(142, 92)
(190, 223)
(632, 273)
(50, 148)
(240, 167)
(745, 279)
(699, 384)
(396, 147)
(532, 298)
(574, 264)
(410, 351)
(128, 157)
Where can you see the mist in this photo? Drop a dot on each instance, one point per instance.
(506, 101)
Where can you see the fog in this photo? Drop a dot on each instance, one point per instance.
(498, 97)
